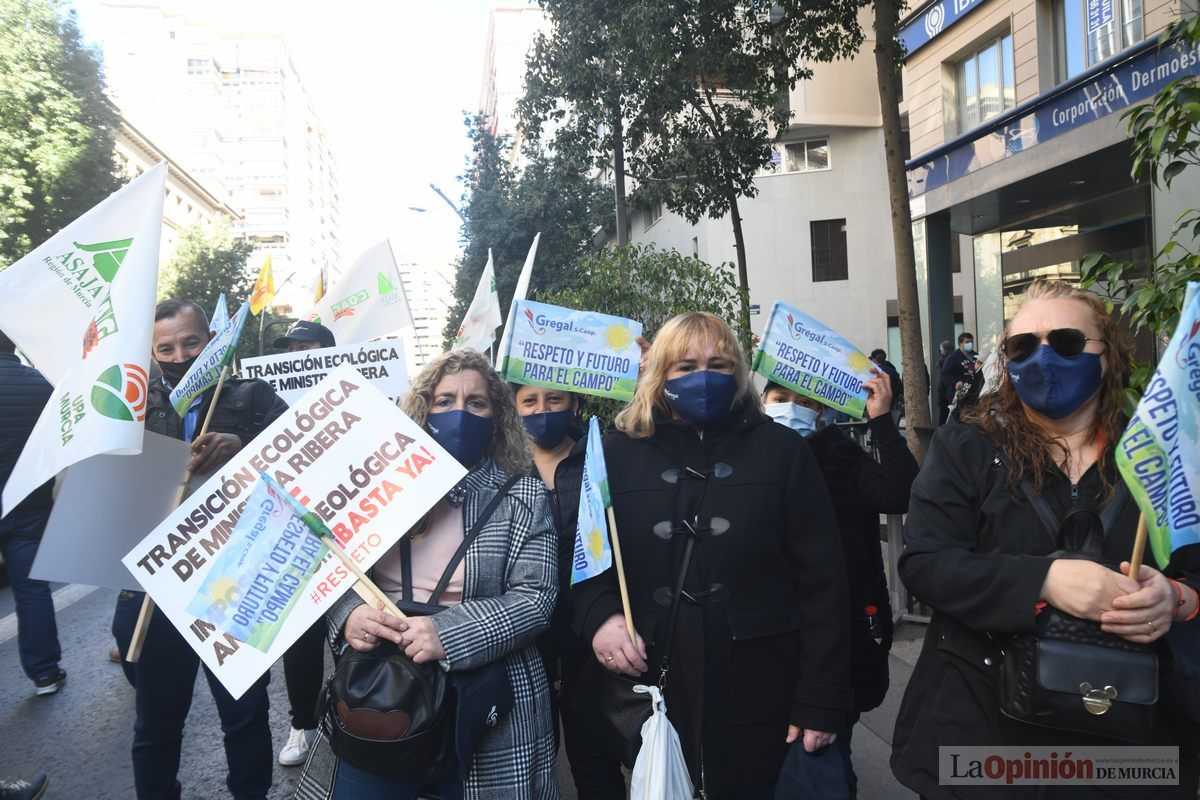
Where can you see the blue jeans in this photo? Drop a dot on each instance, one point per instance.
(164, 682)
(824, 775)
(351, 783)
(37, 633)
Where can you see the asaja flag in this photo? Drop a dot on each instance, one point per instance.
(1159, 453)
(593, 553)
(51, 297)
(264, 288)
(220, 316)
(206, 369)
(99, 401)
(478, 328)
(368, 301)
(518, 295)
(264, 569)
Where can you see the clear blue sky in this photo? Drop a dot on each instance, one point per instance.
(390, 80)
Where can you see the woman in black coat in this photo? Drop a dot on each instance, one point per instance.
(761, 651)
(978, 553)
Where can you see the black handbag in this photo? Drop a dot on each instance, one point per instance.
(1071, 675)
(387, 715)
(605, 700)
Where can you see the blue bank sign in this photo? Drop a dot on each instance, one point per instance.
(1129, 81)
(930, 23)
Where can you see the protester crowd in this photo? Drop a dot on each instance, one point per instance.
(753, 591)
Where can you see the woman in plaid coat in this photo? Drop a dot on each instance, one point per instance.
(500, 599)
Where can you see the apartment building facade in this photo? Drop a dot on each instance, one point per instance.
(231, 107)
(1020, 158)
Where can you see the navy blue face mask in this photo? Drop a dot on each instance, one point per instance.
(701, 397)
(549, 428)
(463, 435)
(1053, 385)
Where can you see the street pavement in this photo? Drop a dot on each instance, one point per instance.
(81, 736)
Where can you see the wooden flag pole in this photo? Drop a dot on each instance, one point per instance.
(1139, 548)
(620, 565)
(143, 622)
(364, 586)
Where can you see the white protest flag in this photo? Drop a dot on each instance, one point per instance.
(49, 298)
(478, 328)
(519, 294)
(99, 403)
(219, 320)
(368, 301)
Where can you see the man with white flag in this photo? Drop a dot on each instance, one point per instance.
(521, 290)
(50, 297)
(478, 328)
(368, 301)
(92, 286)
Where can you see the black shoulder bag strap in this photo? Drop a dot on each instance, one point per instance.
(459, 554)
(1050, 520)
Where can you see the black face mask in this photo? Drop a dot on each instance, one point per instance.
(173, 371)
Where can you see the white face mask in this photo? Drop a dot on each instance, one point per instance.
(968, 347)
(800, 419)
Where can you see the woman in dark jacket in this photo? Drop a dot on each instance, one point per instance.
(861, 489)
(551, 416)
(761, 650)
(978, 553)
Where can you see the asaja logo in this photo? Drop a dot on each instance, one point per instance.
(90, 268)
(388, 293)
(120, 393)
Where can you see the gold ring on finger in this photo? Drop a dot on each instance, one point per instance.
(1151, 624)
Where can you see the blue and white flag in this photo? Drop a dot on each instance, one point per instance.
(593, 552)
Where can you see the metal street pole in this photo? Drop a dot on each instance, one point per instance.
(449, 202)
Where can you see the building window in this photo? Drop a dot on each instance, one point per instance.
(654, 214)
(829, 250)
(1088, 32)
(984, 84)
(198, 66)
(809, 156)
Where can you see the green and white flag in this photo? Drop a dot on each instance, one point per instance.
(99, 400)
(518, 295)
(478, 328)
(53, 302)
(206, 369)
(368, 301)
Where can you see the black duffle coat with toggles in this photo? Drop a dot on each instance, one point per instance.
(763, 637)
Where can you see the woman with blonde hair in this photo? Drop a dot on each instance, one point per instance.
(499, 598)
(716, 503)
(985, 549)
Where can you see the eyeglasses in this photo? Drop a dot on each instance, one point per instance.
(1067, 342)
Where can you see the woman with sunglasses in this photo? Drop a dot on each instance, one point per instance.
(977, 552)
(704, 485)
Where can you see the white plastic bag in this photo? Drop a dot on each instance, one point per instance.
(660, 773)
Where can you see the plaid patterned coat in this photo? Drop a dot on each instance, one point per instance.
(509, 589)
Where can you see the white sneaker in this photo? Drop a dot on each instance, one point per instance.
(295, 751)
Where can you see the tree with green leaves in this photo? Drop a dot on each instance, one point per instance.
(1164, 140)
(56, 126)
(650, 286)
(700, 85)
(554, 193)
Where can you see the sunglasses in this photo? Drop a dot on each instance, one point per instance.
(1067, 342)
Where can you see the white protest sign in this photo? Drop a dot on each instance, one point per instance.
(108, 504)
(293, 374)
(346, 452)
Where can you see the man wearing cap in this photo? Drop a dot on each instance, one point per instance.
(305, 336)
(304, 661)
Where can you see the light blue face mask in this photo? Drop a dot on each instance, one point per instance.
(797, 417)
